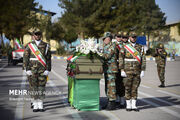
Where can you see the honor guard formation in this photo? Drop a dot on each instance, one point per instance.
(123, 62)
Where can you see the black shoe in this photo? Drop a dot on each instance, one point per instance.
(127, 109)
(35, 110)
(31, 105)
(117, 104)
(41, 110)
(111, 105)
(104, 107)
(162, 86)
(136, 110)
(122, 106)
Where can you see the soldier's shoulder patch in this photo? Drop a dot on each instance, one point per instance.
(128, 54)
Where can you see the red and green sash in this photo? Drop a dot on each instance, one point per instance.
(119, 47)
(37, 53)
(133, 52)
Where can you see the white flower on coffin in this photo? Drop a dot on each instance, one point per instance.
(86, 46)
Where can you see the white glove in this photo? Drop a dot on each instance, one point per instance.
(24, 71)
(142, 74)
(29, 72)
(46, 73)
(123, 74)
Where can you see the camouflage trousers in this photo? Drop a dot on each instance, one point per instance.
(161, 73)
(120, 89)
(37, 84)
(110, 87)
(131, 83)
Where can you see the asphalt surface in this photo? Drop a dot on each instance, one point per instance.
(154, 103)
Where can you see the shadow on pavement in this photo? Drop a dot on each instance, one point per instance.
(5, 113)
(175, 85)
(143, 105)
(88, 115)
(9, 76)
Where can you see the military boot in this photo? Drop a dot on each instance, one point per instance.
(134, 108)
(111, 105)
(40, 106)
(32, 103)
(162, 85)
(122, 102)
(128, 105)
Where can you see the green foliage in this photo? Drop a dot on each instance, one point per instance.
(5, 49)
(15, 17)
(94, 17)
(44, 24)
(70, 36)
(60, 50)
(57, 31)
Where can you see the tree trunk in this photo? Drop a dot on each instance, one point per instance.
(22, 40)
(81, 36)
(148, 40)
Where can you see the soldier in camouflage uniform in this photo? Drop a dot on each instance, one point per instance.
(110, 70)
(120, 89)
(160, 56)
(132, 68)
(36, 71)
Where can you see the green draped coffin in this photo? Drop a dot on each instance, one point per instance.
(88, 68)
(86, 92)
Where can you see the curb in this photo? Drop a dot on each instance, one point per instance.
(59, 57)
(153, 59)
(147, 58)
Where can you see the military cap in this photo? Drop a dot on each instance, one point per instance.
(107, 34)
(132, 34)
(125, 34)
(119, 34)
(160, 46)
(37, 33)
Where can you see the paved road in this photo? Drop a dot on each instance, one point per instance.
(154, 103)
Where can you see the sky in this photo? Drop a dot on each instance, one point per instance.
(171, 8)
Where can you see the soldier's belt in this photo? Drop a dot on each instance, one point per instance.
(33, 59)
(130, 59)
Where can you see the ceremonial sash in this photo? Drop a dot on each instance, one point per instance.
(133, 52)
(37, 53)
(74, 58)
(69, 58)
(119, 48)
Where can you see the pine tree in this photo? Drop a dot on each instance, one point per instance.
(15, 17)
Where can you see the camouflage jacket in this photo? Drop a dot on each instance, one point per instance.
(160, 58)
(134, 66)
(35, 65)
(110, 58)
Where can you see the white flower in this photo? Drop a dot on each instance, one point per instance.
(86, 51)
(86, 46)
